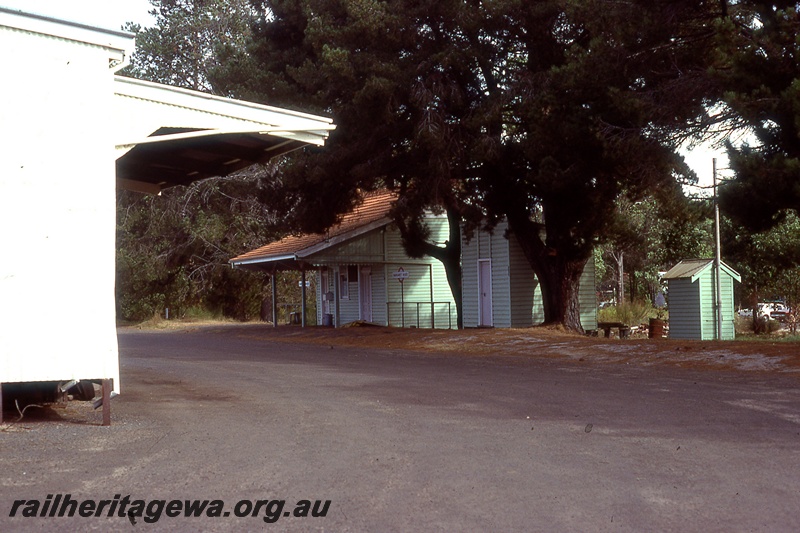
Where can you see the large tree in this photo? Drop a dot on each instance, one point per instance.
(196, 44)
(401, 92)
(587, 106)
(543, 113)
(758, 72)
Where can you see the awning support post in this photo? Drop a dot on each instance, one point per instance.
(303, 297)
(336, 281)
(274, 284)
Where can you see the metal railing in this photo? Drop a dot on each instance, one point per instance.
(414, 313)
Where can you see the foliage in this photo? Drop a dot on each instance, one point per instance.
(560, 116)
(173, 249)
(631, 313)
(654, 234)
(759, 75)
(492, 110)
(768, 261)
(195, 44)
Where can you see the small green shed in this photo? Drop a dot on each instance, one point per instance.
(693, 300)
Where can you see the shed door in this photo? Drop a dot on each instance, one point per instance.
(365, 293)
(485, 292)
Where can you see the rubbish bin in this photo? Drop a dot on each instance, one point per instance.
(327, 320)
(656, 329)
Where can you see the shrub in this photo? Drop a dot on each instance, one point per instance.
(628, 313)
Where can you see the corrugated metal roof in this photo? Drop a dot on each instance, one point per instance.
(167, 136)
(373, 211)
(48, 26)
(691, 268)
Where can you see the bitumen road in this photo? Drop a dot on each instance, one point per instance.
(393, 440)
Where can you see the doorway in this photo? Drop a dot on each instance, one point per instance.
(365, 293)
(485, 293)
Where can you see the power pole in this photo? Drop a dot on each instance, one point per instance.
(717, 254)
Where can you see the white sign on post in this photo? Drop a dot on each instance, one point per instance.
(400, 275)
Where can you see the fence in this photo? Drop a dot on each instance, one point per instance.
(418, 313)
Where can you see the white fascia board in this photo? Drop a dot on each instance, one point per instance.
(120, 42)
(265, 130)
(338, 239)
(731, 272)
(242, 116)
(264, 259)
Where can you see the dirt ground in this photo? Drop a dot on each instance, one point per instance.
(770, 354)
(422, 430)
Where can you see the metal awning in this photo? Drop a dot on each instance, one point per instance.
(169, 136)
(176, 160)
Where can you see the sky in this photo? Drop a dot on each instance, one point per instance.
(108, 14)
(701, 161)
(113, 14)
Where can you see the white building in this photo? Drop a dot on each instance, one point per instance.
(68, 127)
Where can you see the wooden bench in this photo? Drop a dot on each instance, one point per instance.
(624, 329)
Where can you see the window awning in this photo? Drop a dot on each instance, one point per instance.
(168, 136)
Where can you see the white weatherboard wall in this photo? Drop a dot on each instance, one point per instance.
(57, 200)
(426, 293)
(516, 294)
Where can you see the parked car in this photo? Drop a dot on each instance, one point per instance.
(780, 314)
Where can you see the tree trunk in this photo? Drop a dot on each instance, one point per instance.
(559, 281)
(558, 275)
(759, 326)
(619, 259)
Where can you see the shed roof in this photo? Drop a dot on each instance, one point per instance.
(371, 213)
(167, 136)
(694, 268)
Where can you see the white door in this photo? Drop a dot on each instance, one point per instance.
(365, 293)
(323, 278)
(485, 292)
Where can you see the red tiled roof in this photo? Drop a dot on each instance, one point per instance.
(374, 207)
